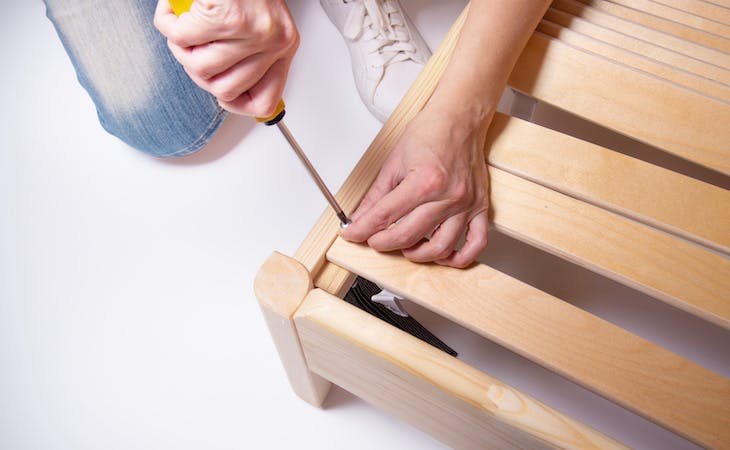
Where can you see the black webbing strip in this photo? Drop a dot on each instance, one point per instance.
(360, 295)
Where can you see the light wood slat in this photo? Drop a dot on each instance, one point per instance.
(311, 252)
(458, 404)
(661, 24)
(662, 70)
(665, 199)
(648, 49)
(668, 41)
(700, 8)
(674, 271)
(701, 23)
(668, 389)
(723, 3)
(650, 110)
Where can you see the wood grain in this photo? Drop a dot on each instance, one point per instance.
(677, 29)
(630, 43)
(648, 109)
(456, 403)
(280, 287)
(668, 389)
(712, 25)
(651, 67)
(676, 272)
(662, 198)
(702, 8)
(627, 27)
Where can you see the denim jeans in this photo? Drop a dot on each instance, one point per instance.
(142, 95)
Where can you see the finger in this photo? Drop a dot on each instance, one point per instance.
(415, 226)
(261, 99)
(476, 242)
(442, 242)
(240, 78)
(393, 206)
(385, 182)
(164, 18)
(208, 60)
(188, 29)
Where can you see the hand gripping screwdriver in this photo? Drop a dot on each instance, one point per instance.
(181, 6)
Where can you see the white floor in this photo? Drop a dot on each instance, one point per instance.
(127, 318)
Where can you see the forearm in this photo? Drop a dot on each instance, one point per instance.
(493, 36)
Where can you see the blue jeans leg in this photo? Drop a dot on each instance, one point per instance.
(142, 95)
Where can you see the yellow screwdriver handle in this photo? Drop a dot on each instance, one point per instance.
(181, 6)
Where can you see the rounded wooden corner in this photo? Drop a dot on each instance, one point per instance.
(281, 284)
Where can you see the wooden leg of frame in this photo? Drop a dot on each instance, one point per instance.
(280, 286)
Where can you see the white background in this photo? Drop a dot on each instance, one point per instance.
(127, 317)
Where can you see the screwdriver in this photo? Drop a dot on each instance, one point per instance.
(181, 6)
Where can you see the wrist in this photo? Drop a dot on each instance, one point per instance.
(463, 110)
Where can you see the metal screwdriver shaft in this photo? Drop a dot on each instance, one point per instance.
(181, 6)
(315, 176)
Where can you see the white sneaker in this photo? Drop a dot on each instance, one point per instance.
(386, 50)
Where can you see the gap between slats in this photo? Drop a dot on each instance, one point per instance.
(678, 76)
(696, 35)
(648, 49)
(701, 8)
(666, 40)
(708, 24)
(646, 108)
(676, 393)
(644, 192)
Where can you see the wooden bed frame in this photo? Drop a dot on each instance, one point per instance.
(656, 71)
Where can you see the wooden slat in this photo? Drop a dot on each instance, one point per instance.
(658, 23)
(723, 3)
(701, 8)
(668, 41)
(641, 47)
(674, 271)
(648, 109)
(458, 404)
(711, 25)
(311, 252)
(635, 61)
(668, 389)
(673, 202)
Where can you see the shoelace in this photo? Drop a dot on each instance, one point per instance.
(379, 24)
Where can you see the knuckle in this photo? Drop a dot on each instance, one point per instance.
(460, 193)
(432, 181)
(202, 72)
(264, 25)
(287, 38)
(228, 17)
(440, 250)
(403, 239)
(176, 38)
(381, 219)
(481, 242)
(224, 93)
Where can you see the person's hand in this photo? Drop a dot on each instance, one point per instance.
(238, 50)
(430, 193)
